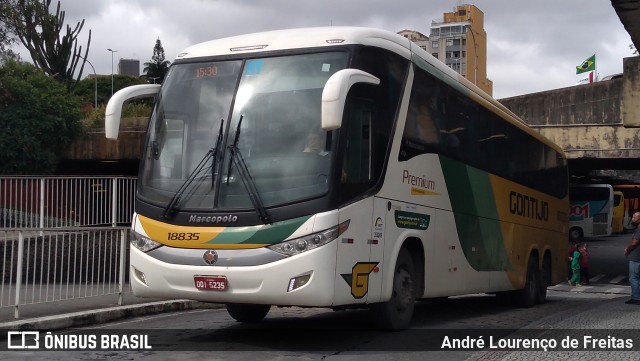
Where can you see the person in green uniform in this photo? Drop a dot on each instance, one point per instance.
(575, 267)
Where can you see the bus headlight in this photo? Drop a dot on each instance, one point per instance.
(306, 243)
(145, 244)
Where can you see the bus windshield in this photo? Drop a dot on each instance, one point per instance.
(268, 111)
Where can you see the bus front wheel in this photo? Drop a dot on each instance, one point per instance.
(396, 314)
(247, 313)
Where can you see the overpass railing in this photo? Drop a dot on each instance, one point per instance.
(55, 264)
(63, 238)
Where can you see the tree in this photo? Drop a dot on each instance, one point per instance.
(157, 68)
(7, 36)
(86, 87)
(38, 117)
(41, 33)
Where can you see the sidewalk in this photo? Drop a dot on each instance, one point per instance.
(80, 312)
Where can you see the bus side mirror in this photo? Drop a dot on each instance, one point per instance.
(335, 92)
(114, 107)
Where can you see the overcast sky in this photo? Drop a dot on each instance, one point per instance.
(532, 45)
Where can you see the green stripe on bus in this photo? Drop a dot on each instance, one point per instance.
(269, 234)
(476, 216)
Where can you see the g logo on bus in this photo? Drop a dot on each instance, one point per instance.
(210, 257)
(358, 279)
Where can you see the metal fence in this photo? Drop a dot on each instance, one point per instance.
(46, 265)
(43, 202)
(63, 238)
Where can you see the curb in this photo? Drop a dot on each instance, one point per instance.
(103, 315)
(603, 289)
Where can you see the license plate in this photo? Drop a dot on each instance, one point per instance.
(210, 283)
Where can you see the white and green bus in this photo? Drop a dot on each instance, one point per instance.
(591, 208)
(422, 185)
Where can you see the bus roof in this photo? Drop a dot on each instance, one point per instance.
(298, 39)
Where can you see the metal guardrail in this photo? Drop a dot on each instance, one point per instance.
(63, 238)
(47, 265)
(68, 201)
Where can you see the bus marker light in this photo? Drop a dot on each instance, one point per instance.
(347, 240)
(140, 276)
(298, 282)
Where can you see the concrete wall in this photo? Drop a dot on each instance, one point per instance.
(598, 103)
(631, 92)
(591, 120)
(128, 146)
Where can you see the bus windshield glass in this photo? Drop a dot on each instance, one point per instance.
(268, 110)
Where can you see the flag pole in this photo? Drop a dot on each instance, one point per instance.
(595, 68)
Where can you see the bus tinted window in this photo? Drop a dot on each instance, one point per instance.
(442, 120)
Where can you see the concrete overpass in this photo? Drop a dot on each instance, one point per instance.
(596, 124)
(629, 14)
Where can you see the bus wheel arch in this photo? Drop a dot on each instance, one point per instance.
(397, 312)
(416, 250)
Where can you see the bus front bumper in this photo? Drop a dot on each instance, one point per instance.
(269, 283)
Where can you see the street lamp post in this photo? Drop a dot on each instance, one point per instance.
(95, 82)
(112, 51)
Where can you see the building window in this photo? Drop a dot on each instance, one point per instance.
(435, 55)
(449, 42)
(434, 44)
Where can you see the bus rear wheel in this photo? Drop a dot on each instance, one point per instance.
(545, 279)
(528, 296)
(242, 312)
(396, 314)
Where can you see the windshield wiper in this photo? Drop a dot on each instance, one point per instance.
(245, 176)
(211, 153)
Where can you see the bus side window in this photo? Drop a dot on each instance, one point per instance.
(356, 165)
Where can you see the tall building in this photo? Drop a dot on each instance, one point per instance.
(129, 67)
(417, 37)
(460, 41)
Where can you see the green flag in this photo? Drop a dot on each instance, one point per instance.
(587, 65)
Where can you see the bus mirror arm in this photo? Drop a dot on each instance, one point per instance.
(335, 92)
(113, 112)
